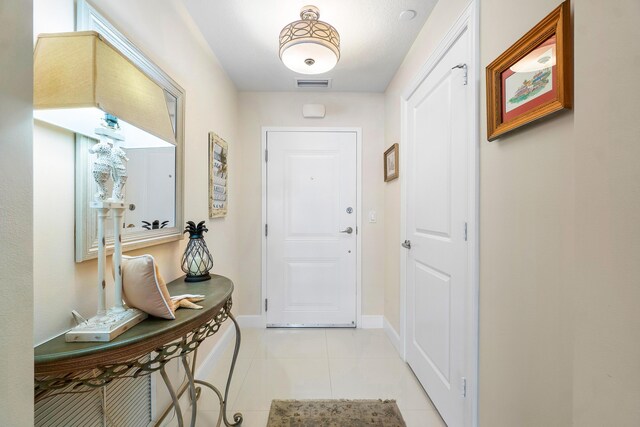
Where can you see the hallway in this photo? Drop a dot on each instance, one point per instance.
(316, 364)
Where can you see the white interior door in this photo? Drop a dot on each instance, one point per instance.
(311, 228)
(437, 285)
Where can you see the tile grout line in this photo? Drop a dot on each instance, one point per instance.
(326, 340)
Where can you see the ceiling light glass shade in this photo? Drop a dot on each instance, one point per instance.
(79, 76)
(309, 46)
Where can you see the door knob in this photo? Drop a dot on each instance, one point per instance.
(348, 230)
(406, 244)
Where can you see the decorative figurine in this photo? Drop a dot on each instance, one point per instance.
(197, 260)
(118, 171)
(102, 166)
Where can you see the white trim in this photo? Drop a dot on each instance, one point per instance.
(468, 20)
(209, 362)
(253, 321)
(393, 335)
(358, 132)
(371, 321)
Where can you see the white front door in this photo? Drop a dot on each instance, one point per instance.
(311, 228)
(437, 124)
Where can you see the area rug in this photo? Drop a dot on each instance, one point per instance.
(335, 413)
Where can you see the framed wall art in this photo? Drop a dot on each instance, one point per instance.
(391, 163)
(218, 176)
(534, 77)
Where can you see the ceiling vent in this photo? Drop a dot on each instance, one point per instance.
(313, 83)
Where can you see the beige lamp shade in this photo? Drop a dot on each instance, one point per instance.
(82, 71)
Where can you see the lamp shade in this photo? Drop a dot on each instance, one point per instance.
(82, 71)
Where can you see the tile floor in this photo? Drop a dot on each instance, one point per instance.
(316, 364)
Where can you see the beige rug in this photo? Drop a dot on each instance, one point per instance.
(335, 413)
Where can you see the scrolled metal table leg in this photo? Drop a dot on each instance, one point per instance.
(192, 390)
(237, 417)
(174, 398)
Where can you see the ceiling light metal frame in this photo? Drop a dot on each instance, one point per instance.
(310, 30)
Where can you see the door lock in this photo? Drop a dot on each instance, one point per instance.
(406, 244)
(348, 230)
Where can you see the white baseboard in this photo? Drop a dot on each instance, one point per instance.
(394, 336)
(371, 321)
(253, 321)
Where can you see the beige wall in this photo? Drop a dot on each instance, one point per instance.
(441, 19)
(16, 207)
(606, 154)
(559, 245)
(257, 109)
(527, 221)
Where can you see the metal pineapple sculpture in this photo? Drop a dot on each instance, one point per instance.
(196, 261)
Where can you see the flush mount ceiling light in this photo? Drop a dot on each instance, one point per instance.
(309, 46)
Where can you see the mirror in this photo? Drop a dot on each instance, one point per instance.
(153, 191)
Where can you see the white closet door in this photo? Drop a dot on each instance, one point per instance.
(437, 284)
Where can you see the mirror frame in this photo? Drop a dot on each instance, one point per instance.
(89, 18)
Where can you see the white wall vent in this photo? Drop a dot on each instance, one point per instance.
(125, 402)
(313, 83)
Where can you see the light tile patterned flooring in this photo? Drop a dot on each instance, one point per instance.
(316, 364)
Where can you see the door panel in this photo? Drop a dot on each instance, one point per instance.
(437, 193)
(311, 264)
(434, 156)
(311, 285)
(432, 326)
(311, 180)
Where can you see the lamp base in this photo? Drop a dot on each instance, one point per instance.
(107, 327)
(199, 278)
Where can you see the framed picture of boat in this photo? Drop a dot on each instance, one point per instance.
(533, 78)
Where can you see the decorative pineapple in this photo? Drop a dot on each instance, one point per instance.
(197, 260)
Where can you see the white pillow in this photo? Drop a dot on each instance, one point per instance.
(143, 287)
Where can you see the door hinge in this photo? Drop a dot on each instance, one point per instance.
(465, 232)
(266, 155)
(464, 69)
(266, 305)
(464, 387)
(356, 229)
(266, 230)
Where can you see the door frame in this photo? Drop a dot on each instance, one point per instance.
(469, 21)
(358, 132)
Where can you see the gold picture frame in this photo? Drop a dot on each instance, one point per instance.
(218, 176)
(533, 78)
(391, 163)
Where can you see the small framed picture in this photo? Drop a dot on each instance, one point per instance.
(391, 163)
(533, 78)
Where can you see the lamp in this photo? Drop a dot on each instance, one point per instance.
(309, 46)
(84, 84)
(80, 76)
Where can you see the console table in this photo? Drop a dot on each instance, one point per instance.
(62, 367)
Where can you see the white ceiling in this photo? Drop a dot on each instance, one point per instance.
(243, 34)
